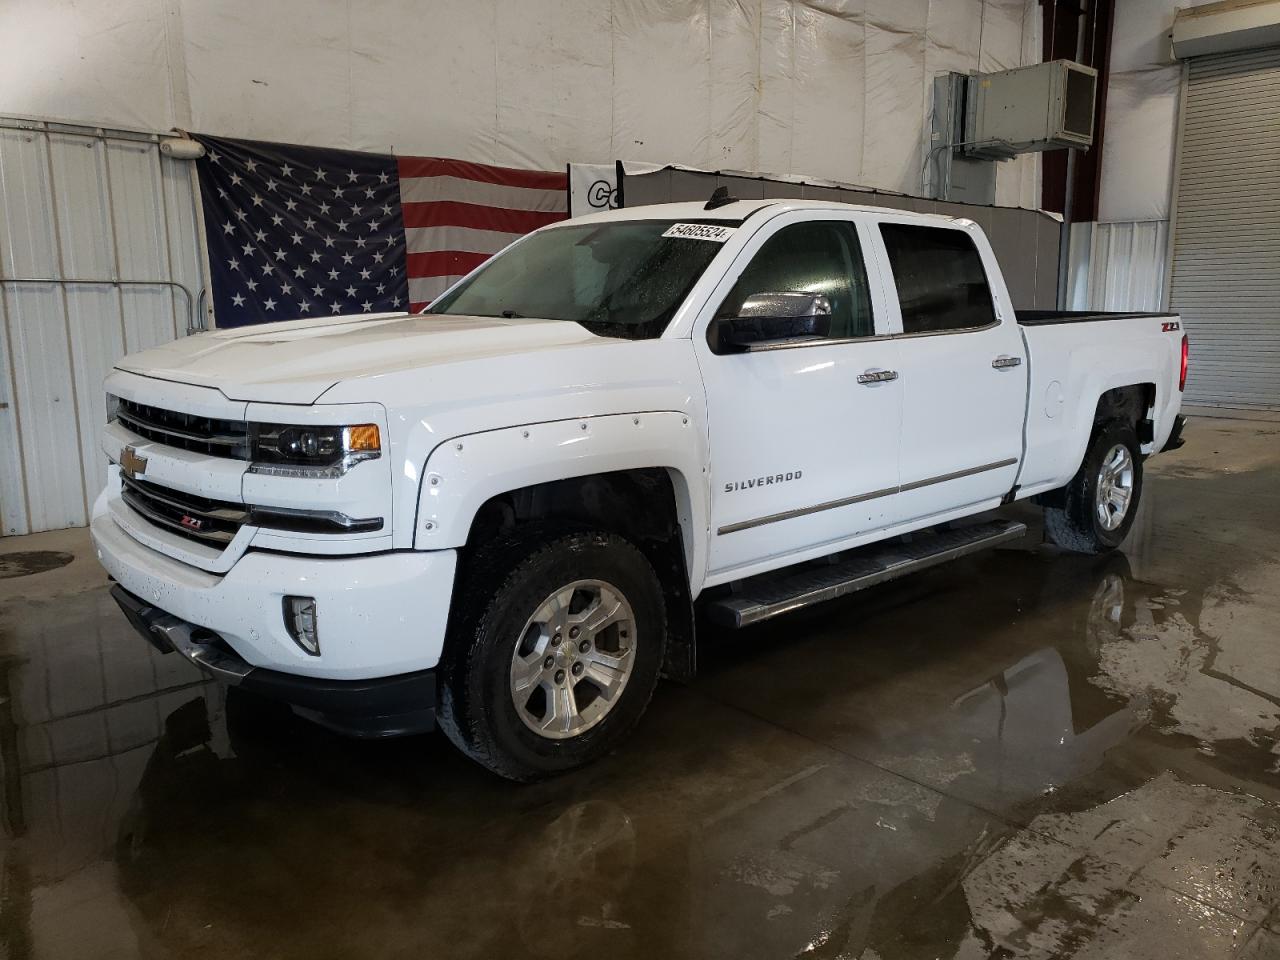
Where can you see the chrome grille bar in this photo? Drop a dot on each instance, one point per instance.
(182, 513)
(187, 431)
(139, 426)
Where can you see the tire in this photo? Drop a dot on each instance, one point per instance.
(510, 605)
(1078, 524)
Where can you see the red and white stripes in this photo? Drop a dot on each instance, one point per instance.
(458, 214)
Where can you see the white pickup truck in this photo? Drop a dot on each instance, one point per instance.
(501, 515)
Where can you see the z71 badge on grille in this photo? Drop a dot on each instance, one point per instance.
(132, 464)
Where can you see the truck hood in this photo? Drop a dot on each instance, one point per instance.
(298, 360)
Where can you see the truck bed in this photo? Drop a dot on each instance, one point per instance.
(1039, 318)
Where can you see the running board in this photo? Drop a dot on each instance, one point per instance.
(769, 595)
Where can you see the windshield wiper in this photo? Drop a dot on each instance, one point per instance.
(511, 315)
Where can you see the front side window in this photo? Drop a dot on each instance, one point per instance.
(941, 283)
(617, 279)
(818, 256)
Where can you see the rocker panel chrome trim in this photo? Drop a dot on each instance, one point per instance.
(862, 497)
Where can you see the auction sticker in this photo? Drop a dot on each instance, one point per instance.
(700, 231)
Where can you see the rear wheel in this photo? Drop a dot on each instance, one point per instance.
(1101, 502)
(555, 652)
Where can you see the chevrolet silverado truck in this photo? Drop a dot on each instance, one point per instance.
(503, 515)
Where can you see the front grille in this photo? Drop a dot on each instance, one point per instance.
(216, 438)
(196, 518)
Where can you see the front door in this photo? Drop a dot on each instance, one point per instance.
(803, 437)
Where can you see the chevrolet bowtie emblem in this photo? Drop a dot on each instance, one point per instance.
(131, 463)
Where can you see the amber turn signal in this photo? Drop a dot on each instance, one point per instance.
(363, 437)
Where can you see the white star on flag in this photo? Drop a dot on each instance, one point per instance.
(274, 207)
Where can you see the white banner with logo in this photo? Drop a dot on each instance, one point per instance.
(593, 187)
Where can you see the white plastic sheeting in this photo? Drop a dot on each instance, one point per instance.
(826, 88)
(1117, 266)
(1142, 112)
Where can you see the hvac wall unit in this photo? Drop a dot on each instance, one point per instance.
(981, 117)
(1048, 106)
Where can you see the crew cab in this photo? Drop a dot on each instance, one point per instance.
(503, 514)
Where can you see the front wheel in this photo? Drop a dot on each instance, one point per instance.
(1101, 502)
(554, 654)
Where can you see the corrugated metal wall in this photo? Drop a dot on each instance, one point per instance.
(1117, 266)
(1226, 253)
(99, 256)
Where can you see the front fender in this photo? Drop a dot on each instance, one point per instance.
(461, 474)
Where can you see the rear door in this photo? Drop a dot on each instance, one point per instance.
(962, 365)
(804, 443)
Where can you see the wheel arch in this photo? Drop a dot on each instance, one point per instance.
(639, 475)
(1127, 402)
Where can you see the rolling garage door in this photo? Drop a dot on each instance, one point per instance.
(1226, 256)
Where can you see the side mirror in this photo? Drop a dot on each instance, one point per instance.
(771, 320)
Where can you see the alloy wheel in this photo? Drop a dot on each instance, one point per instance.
(573, 659)
(1114, 490)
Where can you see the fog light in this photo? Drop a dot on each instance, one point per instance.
(300, 621)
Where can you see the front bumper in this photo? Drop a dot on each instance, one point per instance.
(382, 707)
(378, 615)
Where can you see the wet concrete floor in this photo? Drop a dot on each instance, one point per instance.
(1024, 754)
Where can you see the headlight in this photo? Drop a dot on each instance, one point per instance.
(312, 451)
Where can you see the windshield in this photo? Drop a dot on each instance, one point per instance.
(618, 279)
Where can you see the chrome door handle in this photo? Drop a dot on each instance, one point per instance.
(878, 376)
(1004, 362)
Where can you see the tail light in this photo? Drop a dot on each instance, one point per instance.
(1182, 375)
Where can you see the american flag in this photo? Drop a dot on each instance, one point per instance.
(456, 215)
(306, 232)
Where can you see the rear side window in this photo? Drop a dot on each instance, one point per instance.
(939, 276)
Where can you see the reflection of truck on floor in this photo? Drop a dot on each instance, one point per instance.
(752, 858)
(501, 513)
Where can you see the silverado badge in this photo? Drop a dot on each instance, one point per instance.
(131, 463)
